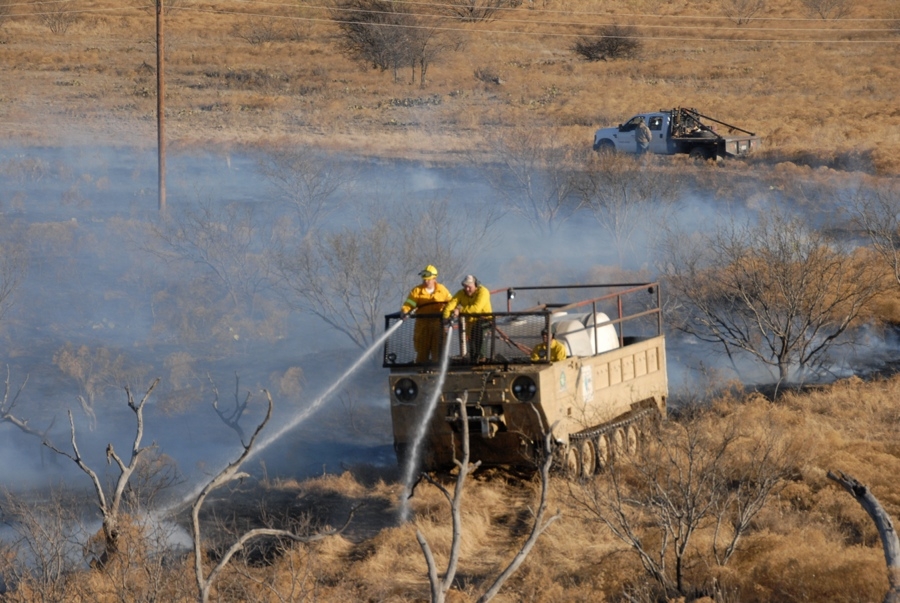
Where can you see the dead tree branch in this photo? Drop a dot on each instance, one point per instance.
(440, 586)
(885, 526)
(536, 530)
(110, 506)
(227, 475)
(233, 417)
(7, 406)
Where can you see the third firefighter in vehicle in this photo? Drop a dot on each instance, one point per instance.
(557, 350)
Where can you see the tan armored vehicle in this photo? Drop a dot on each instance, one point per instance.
(597, 400)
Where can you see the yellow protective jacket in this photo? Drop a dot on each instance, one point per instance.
(557, 352)
(425, 302)
(477, 303)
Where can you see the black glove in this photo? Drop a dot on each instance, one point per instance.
(404, 315)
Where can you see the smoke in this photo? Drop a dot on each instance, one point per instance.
(124, 316)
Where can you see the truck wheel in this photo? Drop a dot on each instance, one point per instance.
(631, 440)
(699, 154)
(606, 146)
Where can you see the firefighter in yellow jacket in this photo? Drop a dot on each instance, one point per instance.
(473, 298)
(427, 298)
(557, 350)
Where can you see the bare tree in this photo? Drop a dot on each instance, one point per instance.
(225, 241)
(56, 16)
(206, 580)
(348, 278)
(535, 176)
(7, 408)
(149, 6)
(623, 193)
(742, 11)
(95, 371)
(775, 291)
(387, 35)
(441, 586)
(312, 184)
(828, 9)
(687, 477)
(293, 577)
(885, 526)
(474, 11)
(259, 30)
(110, 503)
(13, 264)
(876, 210)
(227, 251)
(5, 10)
(426, 45)
(610, 42)
(894, 21)
(42, 548)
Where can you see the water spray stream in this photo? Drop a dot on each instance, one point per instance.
(412, 458)
(296, 419)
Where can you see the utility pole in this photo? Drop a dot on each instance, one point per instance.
(160, 107)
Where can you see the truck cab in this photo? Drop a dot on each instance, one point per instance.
(621, 138)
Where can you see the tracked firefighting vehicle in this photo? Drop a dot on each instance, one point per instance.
(597, 401)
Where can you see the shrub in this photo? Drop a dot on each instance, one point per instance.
(742, 11)
(56, 16)
(611, 42)
(479, 10)
(828, 9)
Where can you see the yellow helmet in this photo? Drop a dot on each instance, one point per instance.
(429, 272)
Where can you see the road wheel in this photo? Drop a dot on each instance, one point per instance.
(602, 448)
(572, 465)
(588, 453)
(618, 442)
(632, 440)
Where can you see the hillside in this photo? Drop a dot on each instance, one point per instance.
(821, 92)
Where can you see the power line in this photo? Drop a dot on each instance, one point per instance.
(546, 34)
(590, 13)
(479, 31)
(446, 6)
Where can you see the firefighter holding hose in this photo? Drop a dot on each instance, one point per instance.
(473, 298)
(427, 298)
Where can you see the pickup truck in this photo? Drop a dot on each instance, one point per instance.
(679, 130)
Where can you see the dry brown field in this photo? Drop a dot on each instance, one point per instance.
(811, 543)
(821, 92)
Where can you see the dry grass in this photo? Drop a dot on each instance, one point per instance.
(239, 78)
(812, 542)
